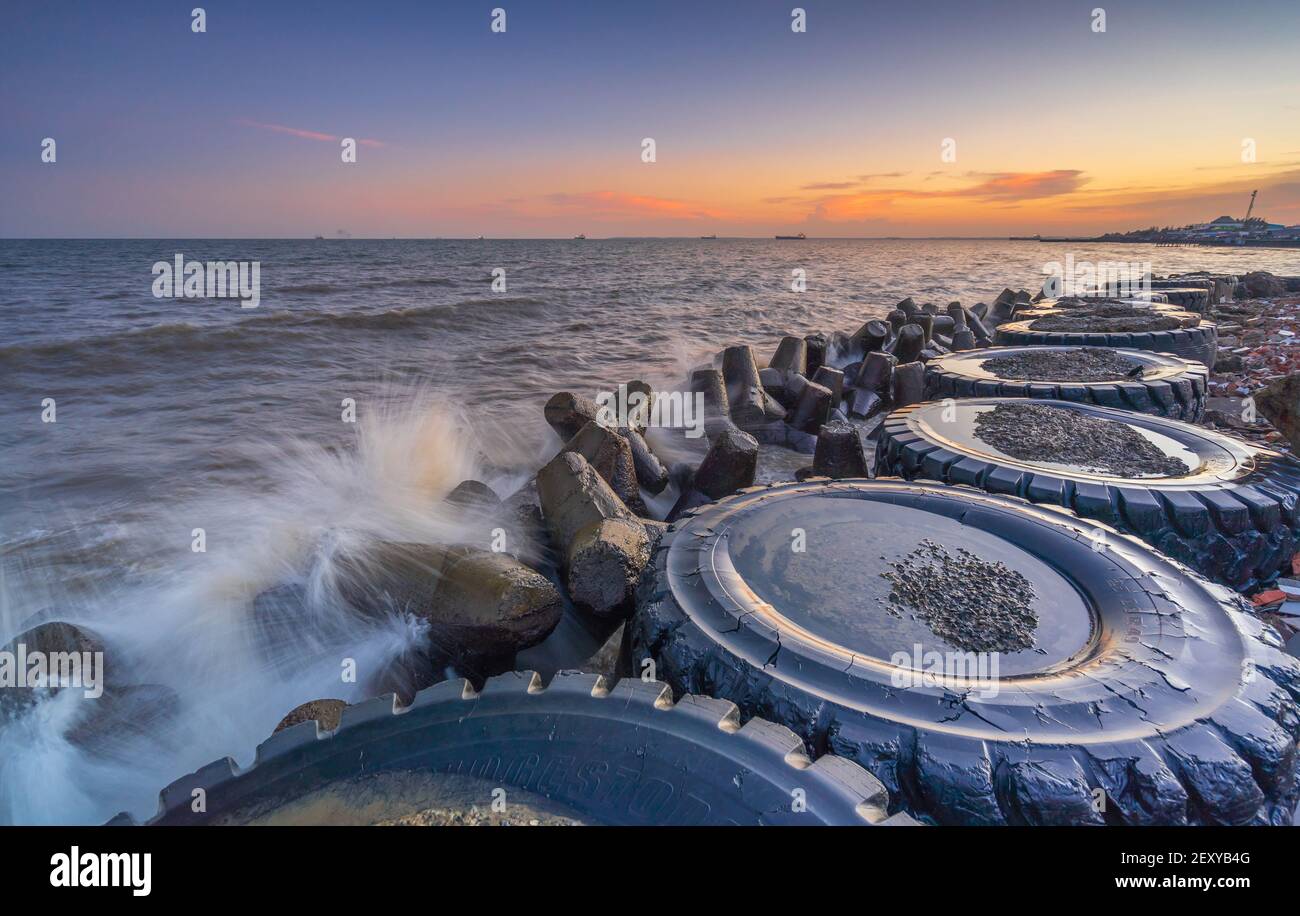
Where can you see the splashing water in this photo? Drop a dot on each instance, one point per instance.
(185, 620)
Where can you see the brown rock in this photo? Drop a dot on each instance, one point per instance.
(326, 712)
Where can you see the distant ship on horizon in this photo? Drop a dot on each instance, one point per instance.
(796, 237)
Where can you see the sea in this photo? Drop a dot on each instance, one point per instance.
(371, 377)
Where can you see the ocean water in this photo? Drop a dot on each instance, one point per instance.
(178, 414)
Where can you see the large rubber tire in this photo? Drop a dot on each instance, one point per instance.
(623, 756)
(1200, 343)
(1181, 708)
(1170, 386)
(1235, 519)
(1189, 300)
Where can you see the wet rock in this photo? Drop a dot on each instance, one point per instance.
(774, 382)
(813, 408)
(611, 456)
(791, 355)
(613, 659)
(47, 639)
(908, 308)
(863, 403)
(474, 495)
(877, 372)
(123, 714)
(604, 564)
(655, 531)
(729, 466)
(709, 382)
(1279, 403)
(872, 336)
(896, 319)
(604, 545)
(326, 712)
(750, 405)
(909, 384)
(567, 413)
(909, 343)
(818, 345)
(690, 499)
(480, 606)
(839, 452)
(832, 379)
(650, 471)
(633, 400)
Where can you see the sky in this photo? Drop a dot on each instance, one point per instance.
(538, 131)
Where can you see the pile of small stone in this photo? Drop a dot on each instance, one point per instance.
(1114, 317)
(1084, 364)
(970, 603)
(1038, 432)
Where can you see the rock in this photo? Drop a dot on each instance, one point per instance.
(876, 373)
(655, 531)
(604, 563)
(926, 324)
(871, 337)
(963, 340)
(613, 659)
(945, 325)
(909, 384)
(123, 714)
(650, 471)
(634, 401)
(862, 403)
(567, 413)
(1279, 403)
(729, 465)
(604, 546)
(791, 355)
(979, 309)
(909, 343)
(473, 494)
(709, 383)
(1260, 284)
(690, 499)
(328, 713)
(794, 386)
(50, 638)
(813, 409)
(897, 318)
(611, 456)
(1228, 362)
(817, 345)
(832, 379)
(750, 405)
(839, 452)
(773, 381)
(908, 308)
(481, 607)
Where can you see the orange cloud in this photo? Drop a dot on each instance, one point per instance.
(617, 205)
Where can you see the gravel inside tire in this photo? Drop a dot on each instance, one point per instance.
(1232, 518)
(1153, 697)
(1200, 343)
(620, 755)
(1170, 386)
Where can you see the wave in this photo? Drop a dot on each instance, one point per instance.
(325, 289)
(186, 337)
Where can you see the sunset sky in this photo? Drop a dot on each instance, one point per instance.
(538, 131)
